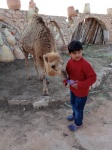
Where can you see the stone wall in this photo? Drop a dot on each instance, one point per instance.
(62, 28)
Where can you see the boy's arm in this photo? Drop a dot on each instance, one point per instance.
(90, 78)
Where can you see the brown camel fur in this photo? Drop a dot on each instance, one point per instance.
(37, 39)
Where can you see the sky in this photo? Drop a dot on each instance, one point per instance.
(59, 7)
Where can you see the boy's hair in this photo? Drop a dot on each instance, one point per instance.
(75, 46)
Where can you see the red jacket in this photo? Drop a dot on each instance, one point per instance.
(83, 72)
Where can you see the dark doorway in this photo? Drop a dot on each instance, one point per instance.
(89, 31)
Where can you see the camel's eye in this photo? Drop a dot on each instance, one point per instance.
(53, 66)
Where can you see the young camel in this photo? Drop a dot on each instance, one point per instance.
(37, 39)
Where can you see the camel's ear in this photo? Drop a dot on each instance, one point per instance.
(45, 58)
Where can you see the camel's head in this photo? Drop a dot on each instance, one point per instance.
(54, 64)
(32, 12)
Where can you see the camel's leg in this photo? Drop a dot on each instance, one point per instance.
(47, 79)
(43, 77)
(27, 65)
(40, 66)
(36, 65)
(38, 70)
(45, 89)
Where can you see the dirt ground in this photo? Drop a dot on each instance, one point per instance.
(22, 127)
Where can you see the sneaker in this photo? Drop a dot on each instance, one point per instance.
(73, 127)
(70, 118)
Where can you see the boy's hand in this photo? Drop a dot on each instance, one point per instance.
(65, 82)
(75, 85)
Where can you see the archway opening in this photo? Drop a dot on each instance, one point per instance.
(57, 34)
(91, 31)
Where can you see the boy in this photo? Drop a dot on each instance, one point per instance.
(82, 73)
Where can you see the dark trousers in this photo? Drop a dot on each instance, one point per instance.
(78, 104)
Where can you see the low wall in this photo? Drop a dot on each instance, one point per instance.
(62, 28)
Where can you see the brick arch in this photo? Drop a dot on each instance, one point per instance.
(56, 24)
(8, 21)
(57, 34)
(101, 22)
(5, 22)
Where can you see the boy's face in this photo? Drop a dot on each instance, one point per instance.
(76, 55)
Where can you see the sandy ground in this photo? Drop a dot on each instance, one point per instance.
(22, 127)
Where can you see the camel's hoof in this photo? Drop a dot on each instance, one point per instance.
(45, 94)
(40, 78)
